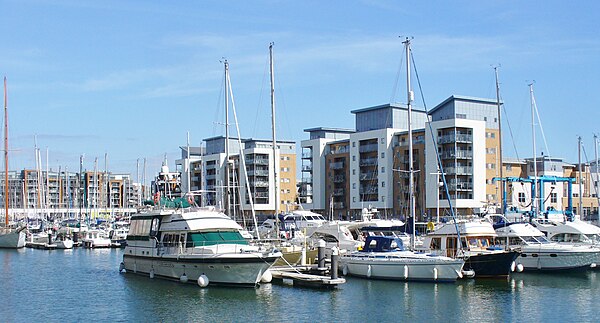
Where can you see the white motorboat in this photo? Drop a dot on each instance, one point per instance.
(96, 239)
(537, 253)
(385, 258)
(477, 247)
(194, 244)
(63, 242)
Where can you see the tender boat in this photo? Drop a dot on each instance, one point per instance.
(478, 249)
(537, 253)
(385, 258)
(196, 244)
(13, 238)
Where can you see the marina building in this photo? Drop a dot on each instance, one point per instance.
(345, 171)
(240, 175)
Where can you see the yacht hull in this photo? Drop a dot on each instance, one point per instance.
(491, 264)
(13, 239)
(408, 269)
(243, 270)
(534, 259)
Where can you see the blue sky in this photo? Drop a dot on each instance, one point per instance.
(131, 78)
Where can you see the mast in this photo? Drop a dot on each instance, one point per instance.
(502, 185)
(579, 208)
(5, 155)
(411, 180)
(226, 137)
(275, 181)
(187, 164)
(534, 189)
(597, 179)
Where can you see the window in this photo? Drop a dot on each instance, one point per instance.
(353, 158)
(553, 197)
(484, 118)
(490, 150)
(353, 171)
(490, 166)
(383, 155)
(461, 116)
(382, 169)
(382, 141)
(353, 186)
(285, 169)
(508, 168)
(521, 197)
(354, 144)
(354, 199)
(382, 184)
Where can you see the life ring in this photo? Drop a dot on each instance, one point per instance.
(430, 226)
(190, 200)
(156, 197)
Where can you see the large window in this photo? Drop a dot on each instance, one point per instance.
(199, 239)
(521, 197)
(140, 227)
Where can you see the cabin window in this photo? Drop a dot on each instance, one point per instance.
(154, 227)
(140, 227)
(199, 239)
(436, 243)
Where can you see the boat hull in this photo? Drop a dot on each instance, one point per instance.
(243, 270)
(13, 239)
(434, 270)
(495, 264)
(534, 259)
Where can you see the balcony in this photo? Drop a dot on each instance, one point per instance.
(338, 192)
(258, 172)
(367, 176)
(336, 165)
(458, 154)
(339, 178)
(307, 180)
(460, 186)
(367, 148)
(259, 183)
(307, 155)
(368, 162)
(460, 170)
(416, 141)
(257, 161)
(339, 205)
(341, 150)
(452, 138)
(368, 190)
(307, 168)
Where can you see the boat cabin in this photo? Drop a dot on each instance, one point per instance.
(382, 244)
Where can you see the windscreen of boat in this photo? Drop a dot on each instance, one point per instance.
(593, 238)
(200, 239)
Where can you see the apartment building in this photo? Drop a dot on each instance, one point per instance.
(217, 172)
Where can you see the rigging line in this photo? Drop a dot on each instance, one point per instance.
(395, 87)
(586, 158)
(219, 109)
(437, 154)
(537, 113)
(260, 98)
(512, 138)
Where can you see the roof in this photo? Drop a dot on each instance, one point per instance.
(463, 98)
(387, 106)
(339, 130)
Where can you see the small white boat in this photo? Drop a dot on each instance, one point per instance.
(96, 239)
(385, 258)
(63, 242)
(12, 238)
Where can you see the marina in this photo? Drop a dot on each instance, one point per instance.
(90, 287)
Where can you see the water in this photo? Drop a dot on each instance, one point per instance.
(85, 285)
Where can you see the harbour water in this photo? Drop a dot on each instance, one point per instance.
(85, 285)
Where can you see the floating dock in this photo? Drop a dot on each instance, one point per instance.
(40, 245)
(304, 276)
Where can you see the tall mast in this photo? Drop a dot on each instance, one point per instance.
(226, 137)
(411, 180)
(187, 165)
(502, 185)
(5, 155)
(596, 156)
(579, 208)
(534, 195)
(276, 186)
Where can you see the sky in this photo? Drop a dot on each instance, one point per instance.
(129, 79)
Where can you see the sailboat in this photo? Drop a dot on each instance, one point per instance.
(386, 257)
(9, 237)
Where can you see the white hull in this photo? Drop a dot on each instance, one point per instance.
(402, 268)
(97, 243)
(229, 269)
(560, 258)
(11, 238)
(64, 244)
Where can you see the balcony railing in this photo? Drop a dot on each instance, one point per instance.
(339, 178)
(368, 190)
(306, 168)
(342, 150)
(307, 180)
(257, 161)
(367, 148)
(336, 165)
(368, 162)
(307, 155)
(460, 170)
(367, 176)
(461, 154)
(338, 192)
(452, 138)
(339, 205)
